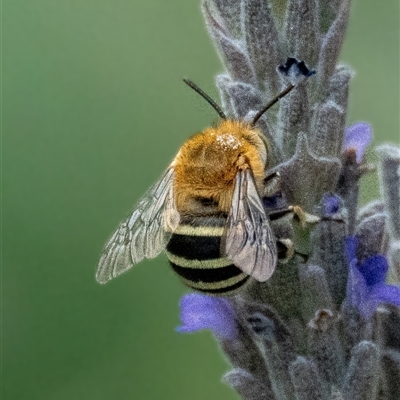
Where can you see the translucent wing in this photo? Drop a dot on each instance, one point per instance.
(144, 233)
(250, 243)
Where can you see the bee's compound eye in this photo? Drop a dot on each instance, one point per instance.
(207, 201)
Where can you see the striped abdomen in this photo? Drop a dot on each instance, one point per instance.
(194, 252)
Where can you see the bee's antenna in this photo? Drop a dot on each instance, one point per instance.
(207, 98)
(271, 103)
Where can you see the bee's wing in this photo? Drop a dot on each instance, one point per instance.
(249, 240)
(144, 233)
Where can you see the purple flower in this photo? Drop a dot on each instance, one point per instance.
(275, 201)
(199, 312)
(331, 204)
(366, 287)
(357, 137)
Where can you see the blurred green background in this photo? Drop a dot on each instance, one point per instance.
(93, 111)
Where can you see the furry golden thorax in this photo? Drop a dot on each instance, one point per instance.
(207, 163)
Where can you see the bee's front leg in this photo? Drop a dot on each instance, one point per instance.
(272, 184)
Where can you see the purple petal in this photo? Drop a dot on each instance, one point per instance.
(350, 248)
(383, 293)
(374, 269)
(199, 312)
(275, 201)
(357, 289)
(358, 137)
(331, 204)
(378, 294)
(365, 285)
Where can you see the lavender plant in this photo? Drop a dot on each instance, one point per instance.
(327, 324)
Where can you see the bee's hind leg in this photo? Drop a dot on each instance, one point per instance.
(282, 225)
(285, 250)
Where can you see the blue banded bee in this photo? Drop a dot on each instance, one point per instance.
(206, 212)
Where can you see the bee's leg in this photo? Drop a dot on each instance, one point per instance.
(272, 183)
(282, 225)
(281, 213)
(295, 212)
(334, 218)
(285, 250)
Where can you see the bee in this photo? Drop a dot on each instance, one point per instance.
(206, 211)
